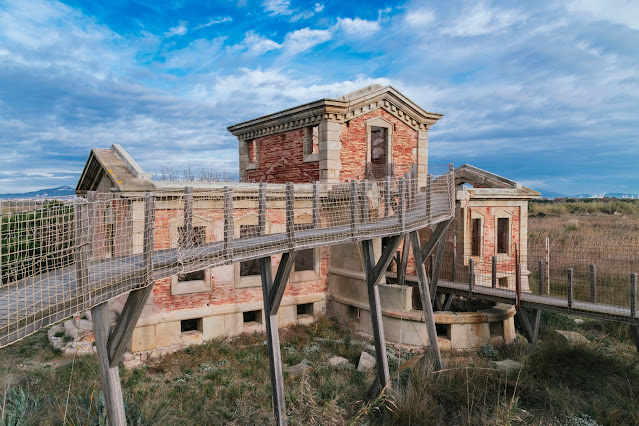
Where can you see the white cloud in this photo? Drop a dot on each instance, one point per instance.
(277, 7)
(480, 20)
(357, 26)
(318, 7)
(420, 18)
(304, 39)
(257, 44)
(214, 21)
(625, 12)
(179, 30)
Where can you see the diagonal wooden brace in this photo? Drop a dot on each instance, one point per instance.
(281, 279)
(531, 329)
(434, 239)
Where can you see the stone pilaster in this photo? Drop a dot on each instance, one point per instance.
(330, 147)
(243, 159)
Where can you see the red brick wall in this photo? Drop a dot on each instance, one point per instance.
(353, 140)
(280, 159)
(489, 238)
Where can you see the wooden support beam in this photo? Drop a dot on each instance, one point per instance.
(437, 266)
(448, 301)
(531, 330)
(386, 257)
(434, 239)
(426, 300)
(109, 376)
(401, 267)
(135, 302)
(281, 279)
(261, 217)
(273, 343)
(383, 374)
(316, 205)
(228, 222)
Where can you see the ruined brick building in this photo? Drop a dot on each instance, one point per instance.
(368, 134)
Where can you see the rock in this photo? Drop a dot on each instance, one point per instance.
(366, 362)
(70, 329)
(128, 356)
(370, 349)
(338, 360)
(87, 314)
(84, 325)
(133, 363)
(572, 337)
(154, 356)
(579, 321)
(508, 365)
(298, 369)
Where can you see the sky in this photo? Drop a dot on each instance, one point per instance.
(545, 93)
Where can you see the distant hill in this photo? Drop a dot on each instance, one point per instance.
(61, 191)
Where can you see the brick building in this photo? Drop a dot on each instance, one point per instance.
(371, 133)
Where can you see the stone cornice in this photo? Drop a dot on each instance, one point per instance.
(337, 110)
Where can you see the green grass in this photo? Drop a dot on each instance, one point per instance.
(227, 381)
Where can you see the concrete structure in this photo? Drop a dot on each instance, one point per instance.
(370, 133)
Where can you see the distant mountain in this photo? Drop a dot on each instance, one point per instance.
(550, 195)
(61, 191)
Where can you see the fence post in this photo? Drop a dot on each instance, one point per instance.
(408, 192)
(633, 295)
(454, 271)
(290, 214)
(541, 278)
(1, 221)
(149, 235)
(387, 195)
(451, 189)
(593, 283)
(261, 217)
(429, 197)
(494, 272)
(228, 222)
(364, 200)
(570, 288)
(354, 208)
(471, 275)
(81, 252)
(187, 229)
(316, 205)
(548, 266)
(402, 204)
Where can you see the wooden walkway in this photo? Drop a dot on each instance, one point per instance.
(33, 303)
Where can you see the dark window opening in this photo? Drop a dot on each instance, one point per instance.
(442, 330)
(198, 237)
(305, 260)
(249, 267)
(352, 312)
(503, 235)
(252, 317)
(311, 140)
(305, 309)
(379, 151)
(476, 237)
(193, 324)
(192, 276)
(502, 282)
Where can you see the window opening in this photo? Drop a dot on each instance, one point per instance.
(476, 237)
(249, 267)
(199, 237)
(503, 235)
(305, 309)
(305, 259)
(502, 282)
(252, 151)
(193, 324)
(379, 151)
(252, 317)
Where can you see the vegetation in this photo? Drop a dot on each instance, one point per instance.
(227, 381)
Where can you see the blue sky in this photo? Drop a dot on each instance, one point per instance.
(545, 93)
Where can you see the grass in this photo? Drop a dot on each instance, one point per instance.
(227, 381)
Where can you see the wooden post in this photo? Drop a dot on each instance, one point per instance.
(593, 283)
(634, 333)
(437, 267)
(228, 222)
(633, 295)
(541, 278)
(149, 235)
(383, 374)
(548, 266)
(261, 218)
(364, 200)
(401, 268)
(316, 205)
(570, 288)
(414, 186)
(387, 196)
(81, 252)
(187, 229)
(530, 330)
(290, 214)
(402, 205)
(408, 192)
(429, 196)
(471, 275)
(454, 262)
(354, 209)
(92, 198)
(494, 272)
(109, 376)
(427, 306)
(1, 245)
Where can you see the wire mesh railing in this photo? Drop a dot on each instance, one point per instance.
(59, 258)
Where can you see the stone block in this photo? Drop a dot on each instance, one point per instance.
(572, 337)
(167, 333)
(473, 335)
(287, 315)
(298, 369)
(366, 362)
(233, 323)
(508, 365)
(143, 339)
(338, 360)
(193, 337)
(213, 327)
(509, 330)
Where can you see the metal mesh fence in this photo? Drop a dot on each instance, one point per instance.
(61, 257)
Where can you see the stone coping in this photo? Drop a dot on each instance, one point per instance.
(495, 314)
